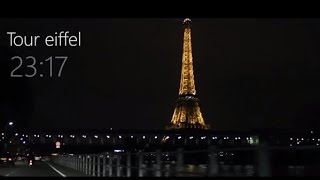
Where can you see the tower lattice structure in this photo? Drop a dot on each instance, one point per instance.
(187, 112)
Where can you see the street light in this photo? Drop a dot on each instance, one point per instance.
(10, 123)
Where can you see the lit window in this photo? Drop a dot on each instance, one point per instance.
(131, 136)
(120, 137)
(156, 137)
(95, 136)
(108, 136)
(143, 137)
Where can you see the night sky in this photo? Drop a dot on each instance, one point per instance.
(249, 73)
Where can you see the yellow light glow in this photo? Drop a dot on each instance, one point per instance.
(187, 112)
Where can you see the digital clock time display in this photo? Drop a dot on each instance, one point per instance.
(30, 62)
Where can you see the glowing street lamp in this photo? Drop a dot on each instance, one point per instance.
(10, 123)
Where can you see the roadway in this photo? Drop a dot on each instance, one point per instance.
(38, 169)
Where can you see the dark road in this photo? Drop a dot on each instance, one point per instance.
(39, 169)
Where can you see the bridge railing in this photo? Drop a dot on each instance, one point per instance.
(175, 163)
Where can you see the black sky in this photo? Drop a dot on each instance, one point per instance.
(249, 73)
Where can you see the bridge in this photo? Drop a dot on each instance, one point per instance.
(86, 141)
(262, 160)
(165, 153)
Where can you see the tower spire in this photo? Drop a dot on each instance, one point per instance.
(187, 112)
(187, 78)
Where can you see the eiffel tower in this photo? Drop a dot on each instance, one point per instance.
(187, 112)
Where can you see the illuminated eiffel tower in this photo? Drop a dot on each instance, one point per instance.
(187, 112)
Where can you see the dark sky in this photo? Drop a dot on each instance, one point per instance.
(249, 73)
